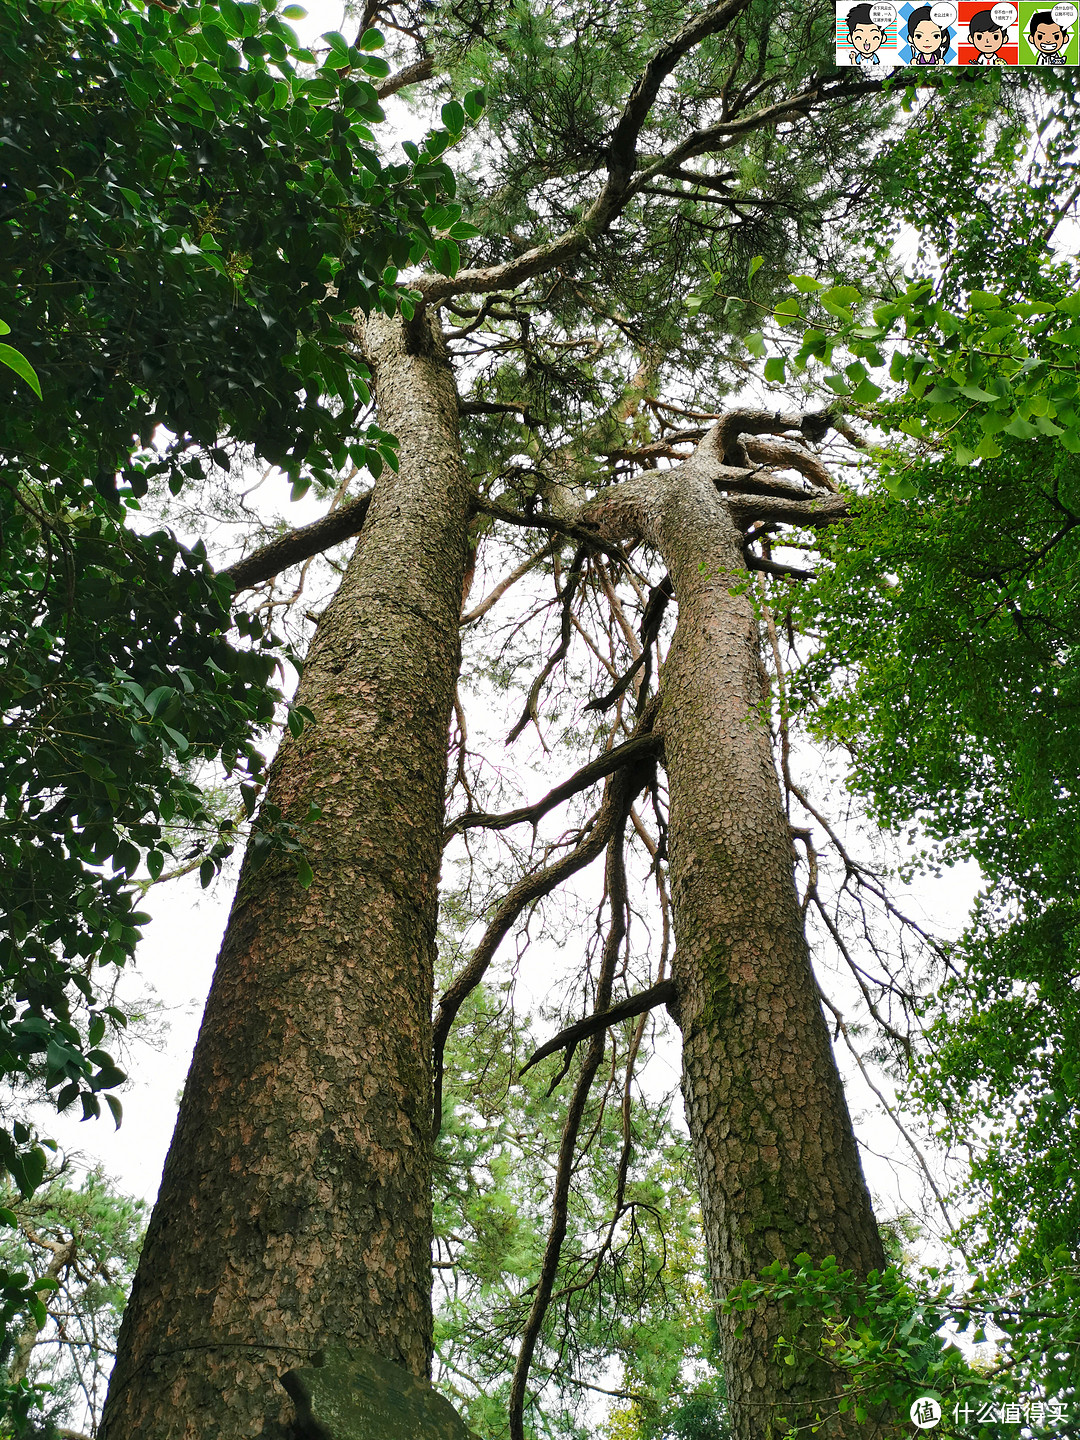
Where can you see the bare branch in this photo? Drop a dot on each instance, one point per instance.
(300, 544)
(638, 748)
(581, 533)
(662, 993)
(616, 887)
(622, 788)
(774, 568)
(479, 611)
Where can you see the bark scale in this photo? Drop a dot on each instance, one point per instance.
(776, 1155)
(295, 1207)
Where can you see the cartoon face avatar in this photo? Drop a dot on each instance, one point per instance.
(987, 36)
(929, 41)
(1047, 37)
(926, 38)
(867, 38)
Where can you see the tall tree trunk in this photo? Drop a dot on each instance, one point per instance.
(295, 1208)
(776, 1154)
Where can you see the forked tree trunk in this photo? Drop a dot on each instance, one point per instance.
(776, 1155)
(295, 1209)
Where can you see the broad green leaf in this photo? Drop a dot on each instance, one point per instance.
(15, 360)
(866, 393)
(453, 117)
(787, 311)
(776, 369)
(1020, 429)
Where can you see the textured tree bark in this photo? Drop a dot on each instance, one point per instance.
(776, 1155)
(295, 1208)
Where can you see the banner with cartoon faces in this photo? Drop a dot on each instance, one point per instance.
(877, 36)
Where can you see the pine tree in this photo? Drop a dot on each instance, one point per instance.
(644, 185)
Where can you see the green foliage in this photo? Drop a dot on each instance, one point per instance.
(1001, 1079)
(17, 361)
(192, 209)
(629, 1288)
(665, 292)
(78, 1245)
(883, 1339)
(945, 615)
(948, 658)
(192, 212)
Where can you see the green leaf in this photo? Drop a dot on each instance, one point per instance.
(754, 266)
(900, 487)
(453, 117)
(180, 741)
(776, 369)
(806, 283)
(232, 15)
(304, 872)
(207, 871)
(755, 343)
(157, 698)
(338, 59)
(371, 40)
(787, 311)
(866, 393)
(18, 362)
(474, 104)
(984, 300)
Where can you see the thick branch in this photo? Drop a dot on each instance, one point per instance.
(408, 75)
(787, 455)
(299, 544)
(763, 422)
(728, 132)
(638, 748)
(774, 568)
(580, 533)
(663, 993)
(811, 511)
